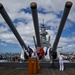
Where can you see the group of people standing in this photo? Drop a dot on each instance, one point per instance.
(38, 53)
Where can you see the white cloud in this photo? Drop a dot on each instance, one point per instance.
(8, 37)
(2, 29)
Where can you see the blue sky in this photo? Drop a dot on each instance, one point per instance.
(49, 10)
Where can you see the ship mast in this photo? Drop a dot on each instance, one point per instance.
(43, 34)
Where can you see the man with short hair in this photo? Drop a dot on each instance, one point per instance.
(61, 62)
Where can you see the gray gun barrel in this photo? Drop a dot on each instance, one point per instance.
(10, 24)
(34, 42)
(68, 6)
(33, 6)
(49, 39)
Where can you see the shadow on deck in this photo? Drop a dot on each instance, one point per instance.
(43, 71)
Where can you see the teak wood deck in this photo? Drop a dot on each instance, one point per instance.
(43, 71)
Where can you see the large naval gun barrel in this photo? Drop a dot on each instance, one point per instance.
(34, 42)
(61, 26)
(10, 24)
(33, 6)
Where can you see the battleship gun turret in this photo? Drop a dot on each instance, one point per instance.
(61, 26)
(33, 6)
(68, 6)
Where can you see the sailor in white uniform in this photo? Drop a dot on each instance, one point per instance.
(61, 62)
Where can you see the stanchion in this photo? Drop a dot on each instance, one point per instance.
(32, 66)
